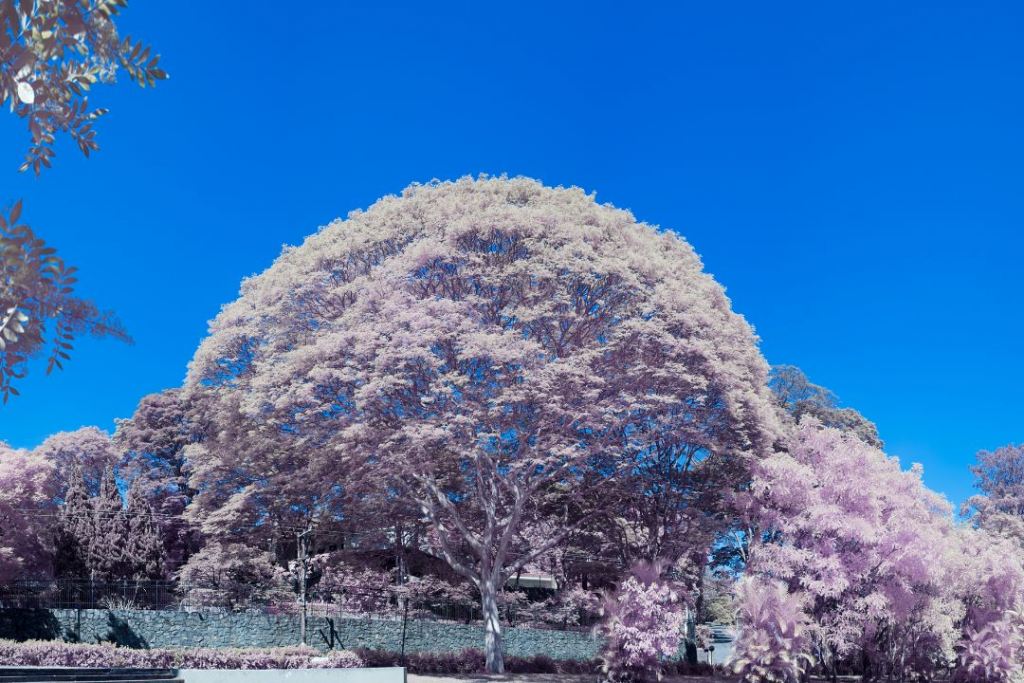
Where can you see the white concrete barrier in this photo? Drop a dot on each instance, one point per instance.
(376, 675)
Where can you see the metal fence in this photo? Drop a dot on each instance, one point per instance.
(349, 602)
(85, 594)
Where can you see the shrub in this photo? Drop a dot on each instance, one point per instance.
(464, 662)
(106, 655)
(994, 653)
(641, 626)
(540, 664)
(681, 667)
(55, 653)
(771, 647)
(234, 576)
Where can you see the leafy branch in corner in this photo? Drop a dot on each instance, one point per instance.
(38, 308)
(51, 54)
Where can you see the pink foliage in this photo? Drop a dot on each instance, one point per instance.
(864, 543)
(354, 589)
(994, 653)
(152, 447)
(55, 653)
(235, 576)
(989, 582)
(999, 475)
(885, 577)
(27, 487)
(571, 606)
(427, 588)
(642, 625)
(772, 645)
(480, 348)
(89, 448)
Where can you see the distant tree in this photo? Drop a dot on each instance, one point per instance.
(145, 551)
(51, 53)
(490, 350)
(999, 476)
(233, 575)
(87, 449)
(257, 485)
(26, 503)
(152, 446)
(74, 529)
(153, 441)
(715, 604)
(798, 396)
(108, 551)
(38, 310)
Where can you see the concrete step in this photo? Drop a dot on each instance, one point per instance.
(92, 679)
(85, 675)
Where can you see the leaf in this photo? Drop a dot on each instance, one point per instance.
(26, 93)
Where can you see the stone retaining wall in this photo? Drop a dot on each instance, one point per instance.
(168, 629)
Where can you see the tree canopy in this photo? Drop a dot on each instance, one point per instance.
(492, 349)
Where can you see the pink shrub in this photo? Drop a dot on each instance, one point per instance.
(340, 659)
(994, 653)
(354, 589)
(771, 647)
(569, 607)
(642, 625)
(55, 653)
(235, 576)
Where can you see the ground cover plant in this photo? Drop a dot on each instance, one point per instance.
(105, 655)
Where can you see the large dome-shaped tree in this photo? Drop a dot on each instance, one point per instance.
(488, 349)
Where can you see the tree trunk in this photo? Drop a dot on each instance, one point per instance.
(493, 646)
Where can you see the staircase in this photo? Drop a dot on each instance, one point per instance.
(45, 674)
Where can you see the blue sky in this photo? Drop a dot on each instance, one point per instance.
(851, 173)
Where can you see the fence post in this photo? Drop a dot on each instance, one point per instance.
(405, 623)
(302, 549)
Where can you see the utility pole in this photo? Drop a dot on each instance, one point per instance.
(302, 547)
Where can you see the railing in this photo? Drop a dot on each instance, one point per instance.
(85, 594)
(349, 602)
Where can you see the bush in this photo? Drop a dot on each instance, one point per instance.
(642, 625)
(681, 667)
(771, 647)
(540, 664)
(56, 653)
(994, 653)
